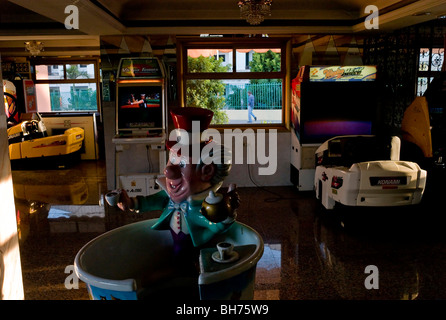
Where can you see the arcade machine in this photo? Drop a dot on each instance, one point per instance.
(141, 106)
(435, 96)
(435, 162)
(20, 98)
(30, 146)
(10, 99)
(328, 101)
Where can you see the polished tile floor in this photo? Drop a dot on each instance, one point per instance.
(309, 254)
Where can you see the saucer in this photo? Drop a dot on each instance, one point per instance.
(233, 256)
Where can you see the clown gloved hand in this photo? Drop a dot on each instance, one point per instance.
(125, 202)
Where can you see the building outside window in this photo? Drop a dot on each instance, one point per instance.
(67, 86)
(222, 85)
(430, 63)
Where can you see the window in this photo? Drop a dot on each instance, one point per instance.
(67, 86)
(430, 63)
(226, 76)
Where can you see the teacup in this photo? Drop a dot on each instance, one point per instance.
(112, 197)
(225, 250)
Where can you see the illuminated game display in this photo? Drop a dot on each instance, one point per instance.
(140, 97)
(328, 101)
(140, 108)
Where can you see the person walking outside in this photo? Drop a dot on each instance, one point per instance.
(251, 107)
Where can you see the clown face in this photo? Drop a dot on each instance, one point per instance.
(184, 179)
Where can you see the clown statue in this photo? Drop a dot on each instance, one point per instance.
(188, 184)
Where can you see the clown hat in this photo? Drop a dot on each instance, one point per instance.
(186, 121)
(183, 117)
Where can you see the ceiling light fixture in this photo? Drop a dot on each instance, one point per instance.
(34, 47)
(254, 11)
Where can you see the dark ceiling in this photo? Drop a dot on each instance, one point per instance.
(106, 17)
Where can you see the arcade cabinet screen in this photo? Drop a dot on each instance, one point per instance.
(337, 108)
(140, 107)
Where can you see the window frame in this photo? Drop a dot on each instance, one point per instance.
(429, 74)
(69, 61)
(234, 44)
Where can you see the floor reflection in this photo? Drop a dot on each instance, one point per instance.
(309, 254)
(53, 201)
(268, 273)
(363, 270)
(314, 254)
(57, 212)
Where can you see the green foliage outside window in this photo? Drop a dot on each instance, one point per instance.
(79, 99)
(216, 95)
(208, 93)
(82, 99)
(268, 92)
(265, 62)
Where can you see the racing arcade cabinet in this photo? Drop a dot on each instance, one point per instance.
(328, 101)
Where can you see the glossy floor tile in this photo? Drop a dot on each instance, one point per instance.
(309, 253)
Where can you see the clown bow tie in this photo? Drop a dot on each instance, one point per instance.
(178, 206)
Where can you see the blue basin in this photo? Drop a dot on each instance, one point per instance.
(135, 262)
